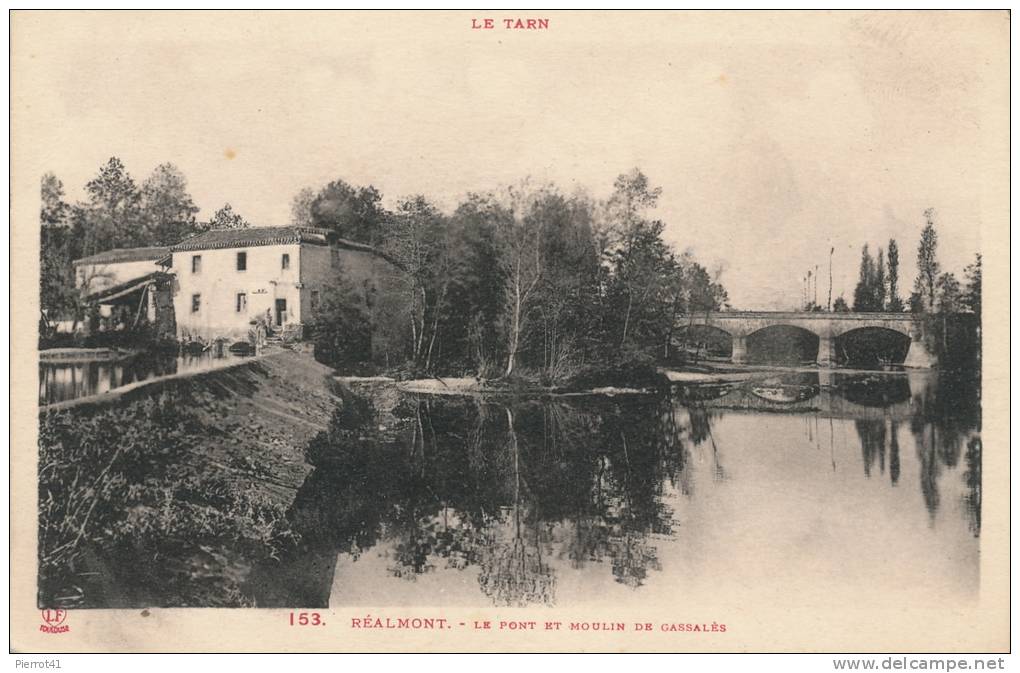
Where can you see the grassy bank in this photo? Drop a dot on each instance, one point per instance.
(168, 495)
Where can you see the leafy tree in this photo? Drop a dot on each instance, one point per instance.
(342, 329)
(301, 208)
(111, 216)
(639, 258)
(632, 196)
(641, 277)
(894, 303)
(520, 232)
(57, 249)
(226, 218)
(167, 208)
(477, 288)
(419, 242)
(925, 285)
(950, 300)
(568, 321)
(840, 305)
(525, 278)
(950, 297)
(349, 212)
(693, 290)
(55, 210)
(915, 303)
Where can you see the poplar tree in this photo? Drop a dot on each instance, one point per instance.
(926, 283)
(894, 302)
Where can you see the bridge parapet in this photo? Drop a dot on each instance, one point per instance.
(744, 323)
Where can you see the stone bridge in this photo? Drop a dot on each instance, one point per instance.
(826, 326)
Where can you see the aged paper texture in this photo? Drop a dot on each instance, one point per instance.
(509, 331)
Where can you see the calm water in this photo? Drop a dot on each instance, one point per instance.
(60, 381)
(855, 487)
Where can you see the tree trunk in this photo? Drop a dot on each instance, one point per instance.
(435, 329)
(672, 325)
(626, 319)
(414, 325)
(515, 329)
(421, 326)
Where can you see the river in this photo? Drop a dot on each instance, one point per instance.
(60, 381)
(811, 488)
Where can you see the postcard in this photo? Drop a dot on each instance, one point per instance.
(507, 331)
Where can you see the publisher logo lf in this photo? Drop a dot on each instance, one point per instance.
(53, 621)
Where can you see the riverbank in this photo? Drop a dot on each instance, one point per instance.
(714, 373)
(168, 494)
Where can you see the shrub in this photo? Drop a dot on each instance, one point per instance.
(122, 502)
(342, 331)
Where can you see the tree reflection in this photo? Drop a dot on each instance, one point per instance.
(872, 434)
(945, 413)
(894, 453)
(460, 483)
(517, 489)
(511, 568)
(972, 477)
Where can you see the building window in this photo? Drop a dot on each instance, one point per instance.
(196, 263)
(315, 301)
(242, 261)
(196, 303)
(242, 302)
(285, 261)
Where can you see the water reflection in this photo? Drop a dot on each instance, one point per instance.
(61, 381)
(559, 501)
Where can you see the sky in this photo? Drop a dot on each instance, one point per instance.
(774, 136)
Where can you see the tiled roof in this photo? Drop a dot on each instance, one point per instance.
(234, 238)
(125, 255)
(250, 237)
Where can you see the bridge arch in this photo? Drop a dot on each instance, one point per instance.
(899, 326)
(698, 340)
(871, 346)
(782, 343)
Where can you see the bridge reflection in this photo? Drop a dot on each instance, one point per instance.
(830, 394)
(942, 418)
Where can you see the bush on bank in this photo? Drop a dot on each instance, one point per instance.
(128, 515)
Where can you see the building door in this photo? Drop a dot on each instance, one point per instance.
(281, 311)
